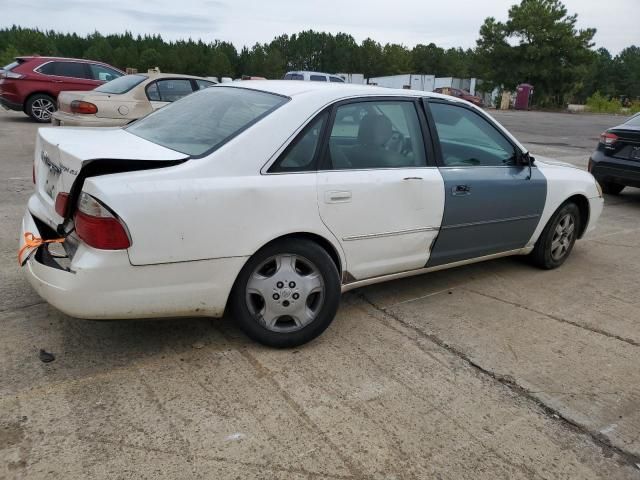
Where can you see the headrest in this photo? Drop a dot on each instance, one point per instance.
(374, 130)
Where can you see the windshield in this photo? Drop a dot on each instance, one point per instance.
(121, 84)
(203, 121)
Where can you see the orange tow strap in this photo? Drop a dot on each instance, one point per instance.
(32, 242)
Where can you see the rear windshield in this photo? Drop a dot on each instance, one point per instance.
(633, 121)
(11, 66)
(121, 84)
(199, 123)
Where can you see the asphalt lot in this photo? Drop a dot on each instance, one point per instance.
(496, 370)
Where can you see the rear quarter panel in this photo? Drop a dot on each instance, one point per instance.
(220, 205)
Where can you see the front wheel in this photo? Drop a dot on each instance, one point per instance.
(287, 294)
(558, 237)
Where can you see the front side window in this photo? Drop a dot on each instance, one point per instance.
(204, 121)
(469, 140)
(380, 134)
(318, 78)
(102, 73)
(121, 84)
(336, 80)
(301, 153)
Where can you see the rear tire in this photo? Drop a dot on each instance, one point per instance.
(611, 188)
(287, 293)
(40, 107)
(558, 237)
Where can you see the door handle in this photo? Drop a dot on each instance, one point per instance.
(460, 190)
(335, 196)
(412, 178)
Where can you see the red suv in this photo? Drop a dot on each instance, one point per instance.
(32, 84)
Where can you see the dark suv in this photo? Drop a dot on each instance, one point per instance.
(32, 84)
(616, 161)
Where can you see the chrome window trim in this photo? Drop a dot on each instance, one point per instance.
(394, 233)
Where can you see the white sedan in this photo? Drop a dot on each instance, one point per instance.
(270, 198)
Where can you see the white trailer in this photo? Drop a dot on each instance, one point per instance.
(356, 78)
(468, 84)
(409, 81)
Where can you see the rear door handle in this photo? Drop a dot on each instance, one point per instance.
(337, 196)
(460, 190)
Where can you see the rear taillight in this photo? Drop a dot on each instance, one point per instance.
(79, 106)
(608, 139)
(9, 74)
(62, 202)
(98, 227)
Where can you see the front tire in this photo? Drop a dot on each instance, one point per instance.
(40, 107)
(558, 237)
(287, 293)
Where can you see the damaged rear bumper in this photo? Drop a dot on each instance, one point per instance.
(101, 284)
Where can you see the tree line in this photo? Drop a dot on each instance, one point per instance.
(539, 44)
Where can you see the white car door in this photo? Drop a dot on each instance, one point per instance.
(376, 191)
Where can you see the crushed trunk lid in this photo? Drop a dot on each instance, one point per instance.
(64, 157)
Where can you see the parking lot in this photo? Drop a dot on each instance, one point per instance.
(494, 370)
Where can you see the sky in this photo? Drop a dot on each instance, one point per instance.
(245, 22)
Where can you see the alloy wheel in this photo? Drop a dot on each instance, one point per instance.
(563, 237)
(42, 109)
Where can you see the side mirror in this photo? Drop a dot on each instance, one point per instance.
(524, 159)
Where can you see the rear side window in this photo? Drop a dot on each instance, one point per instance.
(204, 121)
(380, 134)
(202, 84)
(294, 76)
(300, 155)
(469, 140)
(318, 78)
(121, 85)
(169, 90)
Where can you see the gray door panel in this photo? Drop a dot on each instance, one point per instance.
(487, 210)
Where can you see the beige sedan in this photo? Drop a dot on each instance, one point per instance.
(124, 99)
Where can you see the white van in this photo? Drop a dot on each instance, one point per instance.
(312, 77)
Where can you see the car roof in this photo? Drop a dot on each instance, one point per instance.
(313, 73)
(80, 60)
(294, 88)
(155, 76)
